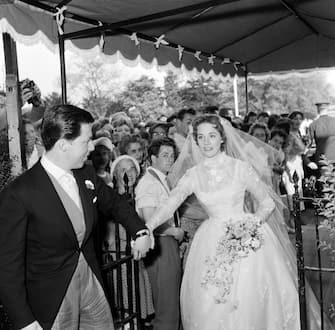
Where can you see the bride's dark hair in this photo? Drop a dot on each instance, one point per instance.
(210, 119)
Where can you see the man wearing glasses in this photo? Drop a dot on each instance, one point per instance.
(159, 130)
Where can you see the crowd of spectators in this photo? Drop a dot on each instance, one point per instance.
(128, 134)
(123, 140)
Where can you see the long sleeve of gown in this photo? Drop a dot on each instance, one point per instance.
(184, 188)
(259, 191)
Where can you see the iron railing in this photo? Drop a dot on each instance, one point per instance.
(301, 267)
(115, 262)
(120, 273)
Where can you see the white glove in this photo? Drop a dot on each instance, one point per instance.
(141, 246)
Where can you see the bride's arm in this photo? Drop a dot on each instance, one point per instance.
(260, 192)
(184, 188)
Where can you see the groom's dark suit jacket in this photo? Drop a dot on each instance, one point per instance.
(39, 250)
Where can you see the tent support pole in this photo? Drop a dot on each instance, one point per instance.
(235, 95)
(13, 107)
(61, 43)
(246, 91)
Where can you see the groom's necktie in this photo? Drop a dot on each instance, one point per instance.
(69, 184)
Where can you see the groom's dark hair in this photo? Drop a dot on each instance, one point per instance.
(63, 122)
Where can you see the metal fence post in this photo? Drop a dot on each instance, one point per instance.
(300, 254)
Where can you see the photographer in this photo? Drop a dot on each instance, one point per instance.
(31, 118)
(31, 94)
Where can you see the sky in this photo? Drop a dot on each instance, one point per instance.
(40, 64)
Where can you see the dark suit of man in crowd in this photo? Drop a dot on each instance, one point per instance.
(322, 130)
(49, 274)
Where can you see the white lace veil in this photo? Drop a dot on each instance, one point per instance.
(245, 147)
(239, 145)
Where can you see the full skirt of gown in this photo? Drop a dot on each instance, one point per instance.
(263, 295)
(256, 292)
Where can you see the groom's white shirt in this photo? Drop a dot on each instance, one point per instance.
(64, 178)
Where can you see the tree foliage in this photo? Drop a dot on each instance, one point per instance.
(198, 93)
(171, 91)
(52, 99)
(145, 96)
(97, 80)
(115, 106)
(276, 94)
(106, 91)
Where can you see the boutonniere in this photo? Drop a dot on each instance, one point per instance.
(89, 184)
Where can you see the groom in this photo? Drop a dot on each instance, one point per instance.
(49, 273)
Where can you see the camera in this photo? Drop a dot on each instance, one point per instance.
(30, 85)
(34, 100)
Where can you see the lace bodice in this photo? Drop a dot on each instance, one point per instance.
(220, 184)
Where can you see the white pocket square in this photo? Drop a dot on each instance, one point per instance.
(95, 199)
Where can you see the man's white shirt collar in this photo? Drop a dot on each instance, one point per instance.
(56, 171)
(160, 174)
(64, 178)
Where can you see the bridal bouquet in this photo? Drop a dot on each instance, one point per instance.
(240, 237)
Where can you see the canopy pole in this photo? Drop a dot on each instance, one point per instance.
(13, 107)
(246, 91)
(236, 95)
(61, 44)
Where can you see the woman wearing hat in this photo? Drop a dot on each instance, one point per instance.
(127, 166)
(101, 157)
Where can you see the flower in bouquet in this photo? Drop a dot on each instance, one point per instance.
(240, 237)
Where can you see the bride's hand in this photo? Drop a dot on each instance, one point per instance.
(151, 235)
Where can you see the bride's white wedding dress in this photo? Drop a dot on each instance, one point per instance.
(261, 290)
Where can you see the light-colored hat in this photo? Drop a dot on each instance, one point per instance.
(117, 161)
(104, 141)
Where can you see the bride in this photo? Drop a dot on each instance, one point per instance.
(241, 271)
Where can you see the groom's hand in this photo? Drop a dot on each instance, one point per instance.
(141, 246)
(33, 326)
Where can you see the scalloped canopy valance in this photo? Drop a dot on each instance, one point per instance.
(218, 36)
